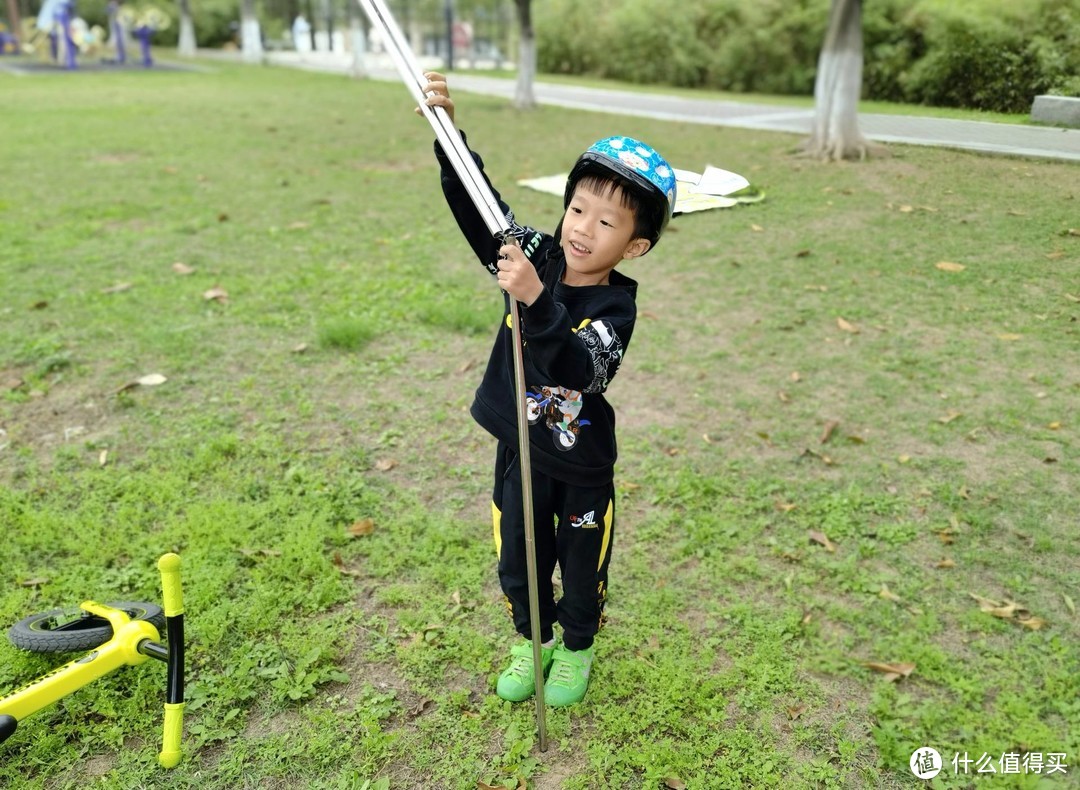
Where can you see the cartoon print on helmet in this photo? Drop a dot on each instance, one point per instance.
(560, 408)
(637, 161)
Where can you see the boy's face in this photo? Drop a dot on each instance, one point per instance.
(597, 233)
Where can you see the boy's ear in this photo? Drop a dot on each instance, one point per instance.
(636, 248)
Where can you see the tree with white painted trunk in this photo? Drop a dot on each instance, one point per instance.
(837, 87)
(524, 95)
(250, 34)
(185, 45)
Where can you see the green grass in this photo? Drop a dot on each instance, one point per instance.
(331, 386)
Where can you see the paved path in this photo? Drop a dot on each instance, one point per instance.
(996, 138)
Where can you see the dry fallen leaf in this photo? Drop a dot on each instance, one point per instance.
(343, 569)
(950, 417)
(364, 526)
(674, 783)
(783, 396)
(103, 458)
(298, 225)
(1072, 298)
(795, 376)
(149, 380)
(1009, 610)
(118, 288)
(385, 464)
(785, 507)
(820, 538)
(825, 459)
(300, 348)
(1069, 604)
(949, 266)
(1009, 336)
(906, 209)
(217, 293)
(888, 594)
(183, 269)
(945, 563)
(847, 326)
(827, 433)
(891, 671)
(796, 711)
(756, 228)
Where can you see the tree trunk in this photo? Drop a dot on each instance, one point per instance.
(524, 96)
(837, 87)
(13, 21)
(358, 40)
(185, 46)
(250, 35)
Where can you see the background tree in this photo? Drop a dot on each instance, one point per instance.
(250, 33)
(14, 23)
(837, 87)
(185, 45)
(525, 96)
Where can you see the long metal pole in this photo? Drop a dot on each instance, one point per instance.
(485, 202)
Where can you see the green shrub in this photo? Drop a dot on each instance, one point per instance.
(982, 63)
(983, 54)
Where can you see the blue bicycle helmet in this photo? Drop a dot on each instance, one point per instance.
(634, 165)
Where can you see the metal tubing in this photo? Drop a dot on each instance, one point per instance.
(488, 207)
(525, 462)
(447, 134)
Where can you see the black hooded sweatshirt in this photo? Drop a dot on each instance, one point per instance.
(574, 341)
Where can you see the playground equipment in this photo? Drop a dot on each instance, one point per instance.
(117, 635)
(59, 36)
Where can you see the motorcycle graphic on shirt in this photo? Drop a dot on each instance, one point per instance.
(559, 408)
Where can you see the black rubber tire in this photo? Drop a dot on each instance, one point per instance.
(71, 629)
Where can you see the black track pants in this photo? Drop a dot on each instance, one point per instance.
(574, 528)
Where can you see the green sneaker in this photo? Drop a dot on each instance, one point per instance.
(568, 679)
(518, 682)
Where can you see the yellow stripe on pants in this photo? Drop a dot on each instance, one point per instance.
(607, 533)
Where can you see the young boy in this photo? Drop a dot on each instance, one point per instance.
(577, 314)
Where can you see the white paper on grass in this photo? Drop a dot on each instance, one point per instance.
(689, 196)
(715, 181)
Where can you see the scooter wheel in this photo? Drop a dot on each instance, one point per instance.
(72, 629)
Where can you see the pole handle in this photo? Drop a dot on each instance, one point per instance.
(173, 598)
(172, 595)
(169, 757)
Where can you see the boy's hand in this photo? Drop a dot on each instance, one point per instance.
(517, 276)
(440, 94)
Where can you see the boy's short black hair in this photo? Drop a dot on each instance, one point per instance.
(649, 212)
